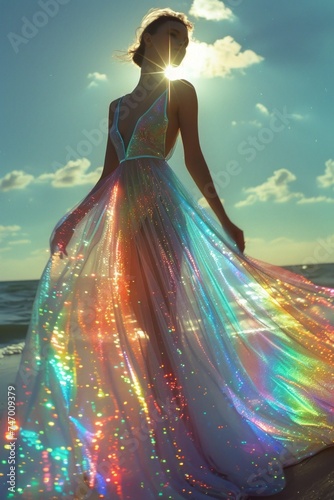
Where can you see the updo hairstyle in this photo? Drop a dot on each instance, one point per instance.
(150, 24)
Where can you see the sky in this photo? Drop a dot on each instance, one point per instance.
(264, 78)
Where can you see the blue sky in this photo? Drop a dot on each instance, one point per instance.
(264, 79)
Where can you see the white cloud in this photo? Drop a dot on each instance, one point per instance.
(262, 108)
(327, 179)
(265, 115)
(218, 59)
(297, 116)
(274, 188)
(96, 78)
(255, 123)
(204, 202)
(19, 242)
(212, 10)
(252, 123)
(17, 179)
(265, 111)
(74, 173)
(7, 233)
(277, 188)
(9, 229)
(315, 199)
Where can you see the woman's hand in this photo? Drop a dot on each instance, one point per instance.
(61, 239)
(236, 234)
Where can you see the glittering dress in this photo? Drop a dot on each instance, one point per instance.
(160, 362)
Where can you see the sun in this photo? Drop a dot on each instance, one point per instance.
(174, 72)
(188, 68)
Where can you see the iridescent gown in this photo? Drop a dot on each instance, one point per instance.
(160, 362)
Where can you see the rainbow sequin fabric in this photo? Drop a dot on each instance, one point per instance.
(160, 362)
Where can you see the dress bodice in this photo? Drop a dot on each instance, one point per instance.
(149, 133)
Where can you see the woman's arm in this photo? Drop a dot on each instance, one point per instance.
(64, 231)
(195, 162)
(110, 160)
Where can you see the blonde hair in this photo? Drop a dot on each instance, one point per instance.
(150, 23)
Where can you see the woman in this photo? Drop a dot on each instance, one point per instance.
(160, 361)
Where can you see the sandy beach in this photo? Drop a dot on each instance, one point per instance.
(312, 479)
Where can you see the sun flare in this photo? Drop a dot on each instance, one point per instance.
(174, 72)
(189, 66)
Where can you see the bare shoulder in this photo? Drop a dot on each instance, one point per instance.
(113, 105)
(183, 90)
(112, 108)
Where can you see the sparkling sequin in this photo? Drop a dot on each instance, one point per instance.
(160, 362)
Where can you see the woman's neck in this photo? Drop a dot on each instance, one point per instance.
(152, 76)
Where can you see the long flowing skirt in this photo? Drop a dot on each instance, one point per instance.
(160, 362)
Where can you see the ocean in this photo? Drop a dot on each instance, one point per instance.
(16, 300)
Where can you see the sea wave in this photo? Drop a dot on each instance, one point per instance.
(11, 349)
(16, 301)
